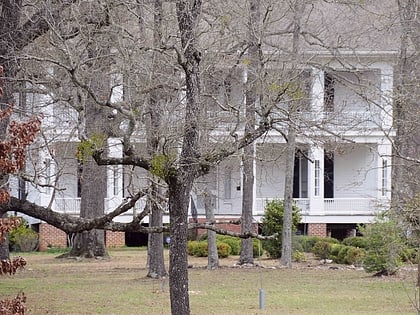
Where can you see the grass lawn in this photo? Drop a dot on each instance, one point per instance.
(118, 286)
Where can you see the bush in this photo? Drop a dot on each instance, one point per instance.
(386, 244)
(342, 254)
(272, 222)
(354, 256)
(298, 256)
(199, 249)
(356, 241)
(305, 243)
(322, 249)
(223, 249)
(234, 243)
(410, 255)
(335, 250)
(23, 238)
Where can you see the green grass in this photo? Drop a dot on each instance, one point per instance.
(118, 286)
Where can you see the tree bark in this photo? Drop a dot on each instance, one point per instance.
(286, 243)
(180, 186)
(9, 21)
(93, 178)
(155, 249)
(212, 254)
(251, 95)
(286, 249)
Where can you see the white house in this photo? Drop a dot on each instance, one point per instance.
(342, 167)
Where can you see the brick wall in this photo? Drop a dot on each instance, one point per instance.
(50, 236)
(115, 239)
(317, 229)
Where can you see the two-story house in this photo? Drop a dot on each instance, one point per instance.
(342, 171)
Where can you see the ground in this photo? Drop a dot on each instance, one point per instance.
(119, 285)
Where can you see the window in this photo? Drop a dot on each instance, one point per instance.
(228, 183)
(79, 179)
(317, 178)
(328, 92)
(115, 179)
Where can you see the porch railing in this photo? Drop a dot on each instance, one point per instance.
(72, 205)
(333, 206)
(302, 203)
(351, 206)
(67, 205)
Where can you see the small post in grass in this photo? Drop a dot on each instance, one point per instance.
(262, 293)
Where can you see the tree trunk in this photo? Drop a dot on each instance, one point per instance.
(247, 255)
(179, 196)
(251, 92)
(286, 243)
(212, 254)
(90, 244)
(93, 178)
(9, 21)
(180, 185)
(155, 248)
(156, 266)
(4, 246)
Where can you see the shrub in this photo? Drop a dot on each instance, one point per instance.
(335, 249)
(354, 256)
(322, 249)
(298, 256)
(23, 238)
(305, 243)
(223, 249)
(234, 243)
(355, 241)
(342, 254)
(272, 222)
(199, 249)
(410, 255)
(386, 244)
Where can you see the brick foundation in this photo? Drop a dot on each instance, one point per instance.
(115, 239)
(317, 229)
(50, 236)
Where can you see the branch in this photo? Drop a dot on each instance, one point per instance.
(126, 160)
(212, 227)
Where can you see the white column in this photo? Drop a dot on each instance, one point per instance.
(317, 93)
(384, 170)
(254, 185)
(114, 176)
(316, 181)
(386, 96)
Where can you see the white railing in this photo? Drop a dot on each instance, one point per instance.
(67, 205)
(72, 205)
(350, 206)
(333, 206)
(302, 203)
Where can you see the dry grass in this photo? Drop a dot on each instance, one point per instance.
(119, 286)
